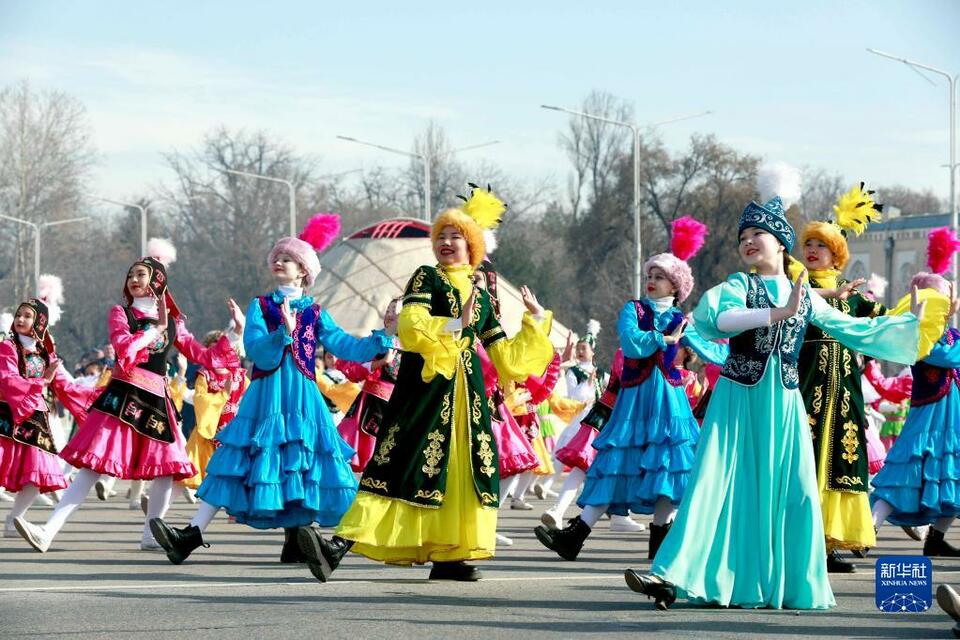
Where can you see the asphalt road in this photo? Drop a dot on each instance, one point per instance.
(96, 583)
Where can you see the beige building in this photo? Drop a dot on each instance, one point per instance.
(895, 249)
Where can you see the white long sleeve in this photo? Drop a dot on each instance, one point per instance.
(740, 320)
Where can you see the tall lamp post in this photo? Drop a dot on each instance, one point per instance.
(426, 159)
(37, 228)
(952, 83)
(292, 190)
(143, 219)
(635, 130)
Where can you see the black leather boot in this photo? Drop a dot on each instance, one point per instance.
(321, 555)
(291, 553)
(935, 545)
(178, 543)
(657, 534)
(459, 571)
(836, 564)
(663, 593)
(566, 542)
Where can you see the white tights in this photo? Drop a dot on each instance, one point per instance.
(508, 486)
(526, 481)
(882, 510)
(204, 515)
(569, 491)
(24, 499)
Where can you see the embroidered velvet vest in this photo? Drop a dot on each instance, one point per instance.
(637, 370)
(304, 344)
(157, 363)
(931, 383)
(750, 351)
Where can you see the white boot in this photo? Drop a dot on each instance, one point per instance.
(625, 524)
(9, 530)
(552, 518)
(189, 495)
(38, 538)
(519, 503)
(503, 541)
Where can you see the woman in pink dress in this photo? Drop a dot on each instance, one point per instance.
(132, 431)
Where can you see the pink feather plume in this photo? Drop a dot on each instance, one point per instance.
(688, 236)
(941, 245)
(321, 230)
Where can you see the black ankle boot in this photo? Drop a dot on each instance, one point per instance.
(459, 571)
(321, 555)
(836, 564)
(657, 533)
(291, 553)
(935, 545)
(178, 543)
(566, 542)
(663, 593)
(862, 553)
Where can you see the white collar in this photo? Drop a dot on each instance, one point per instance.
(587, 365)
(662, 304)
(147, 305)
(290, 291)
(28, 343)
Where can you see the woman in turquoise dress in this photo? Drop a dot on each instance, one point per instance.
(281, 462)
(749, 532)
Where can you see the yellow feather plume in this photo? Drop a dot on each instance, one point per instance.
(856, 208)
(484, 207)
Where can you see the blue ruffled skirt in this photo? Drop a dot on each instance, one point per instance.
(281, 462)
(645, 451)
(920, 476)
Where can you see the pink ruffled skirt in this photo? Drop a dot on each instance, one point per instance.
(358, 439)
(21, 464)
(876, 452)
(108, 446)
(578, 452)
(514, 450)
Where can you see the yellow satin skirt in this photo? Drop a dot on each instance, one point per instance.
(396, 532)
(546, 460)
(847, 521)
(199, 451)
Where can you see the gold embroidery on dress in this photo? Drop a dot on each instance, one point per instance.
(445, 410)
(486, 454)
(433, 454)
(822, 358)
(845, 404)
(817, 403)
(418, 280)
(489, 498)
(846, 362)
(475, 413)
(451, 296)
(434, 495)
(374, 484)
(849, 481)
(383, 451)
(850, 442)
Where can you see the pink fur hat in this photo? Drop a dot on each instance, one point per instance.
(687, 237)
(927, 280)
(320, 232)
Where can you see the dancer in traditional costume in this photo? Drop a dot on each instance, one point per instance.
(29, 464)
(281, 462)
(646, 449)
(920, 481)
(830, 382)
(131, 431)
(338, 391)
(431, 491)
(749, 531)
(362, 420)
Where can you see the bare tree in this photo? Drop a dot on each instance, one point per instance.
(45, 157)
(911, 201)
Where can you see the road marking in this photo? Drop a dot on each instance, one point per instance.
(281, 583)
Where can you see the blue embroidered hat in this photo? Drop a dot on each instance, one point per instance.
(770, 217)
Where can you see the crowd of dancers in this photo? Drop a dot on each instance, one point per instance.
(784, 450)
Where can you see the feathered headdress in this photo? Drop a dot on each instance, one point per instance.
(856, 209)
(50, 292)
(686, 239)
(779, 179)
(942, 243)
(318, 234)
(484, 207)
(160, 255)
(876, 286)
(593, 330)
(162, 250)
(321, 230)
(481, 212)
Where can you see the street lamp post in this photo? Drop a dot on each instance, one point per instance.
(635, 130)
(426, 159)
(143, 219)
(292, 190)
(952, 83)
(37, 228)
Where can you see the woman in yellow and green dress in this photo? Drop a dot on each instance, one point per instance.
(430, 492)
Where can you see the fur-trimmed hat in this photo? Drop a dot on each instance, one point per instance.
(319, 233)
(480, 212)
(831, 235)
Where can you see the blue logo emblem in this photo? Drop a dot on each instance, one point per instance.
(904, 584)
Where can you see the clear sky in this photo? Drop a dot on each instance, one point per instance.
(788, 82)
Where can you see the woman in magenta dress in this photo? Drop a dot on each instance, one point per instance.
(131, 431)
(29, 464)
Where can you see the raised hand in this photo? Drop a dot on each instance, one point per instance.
(530, 301)
(289, 319)
(954, 300)
(51, 370)
(675, 336)
(843, 292)
(466, 314)
(181, 365)
(236, 315)
(918, 308)
(568, 348)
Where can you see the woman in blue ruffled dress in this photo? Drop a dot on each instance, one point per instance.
(646, 450)
(280, 462)
(749, 532)
(920, 480)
